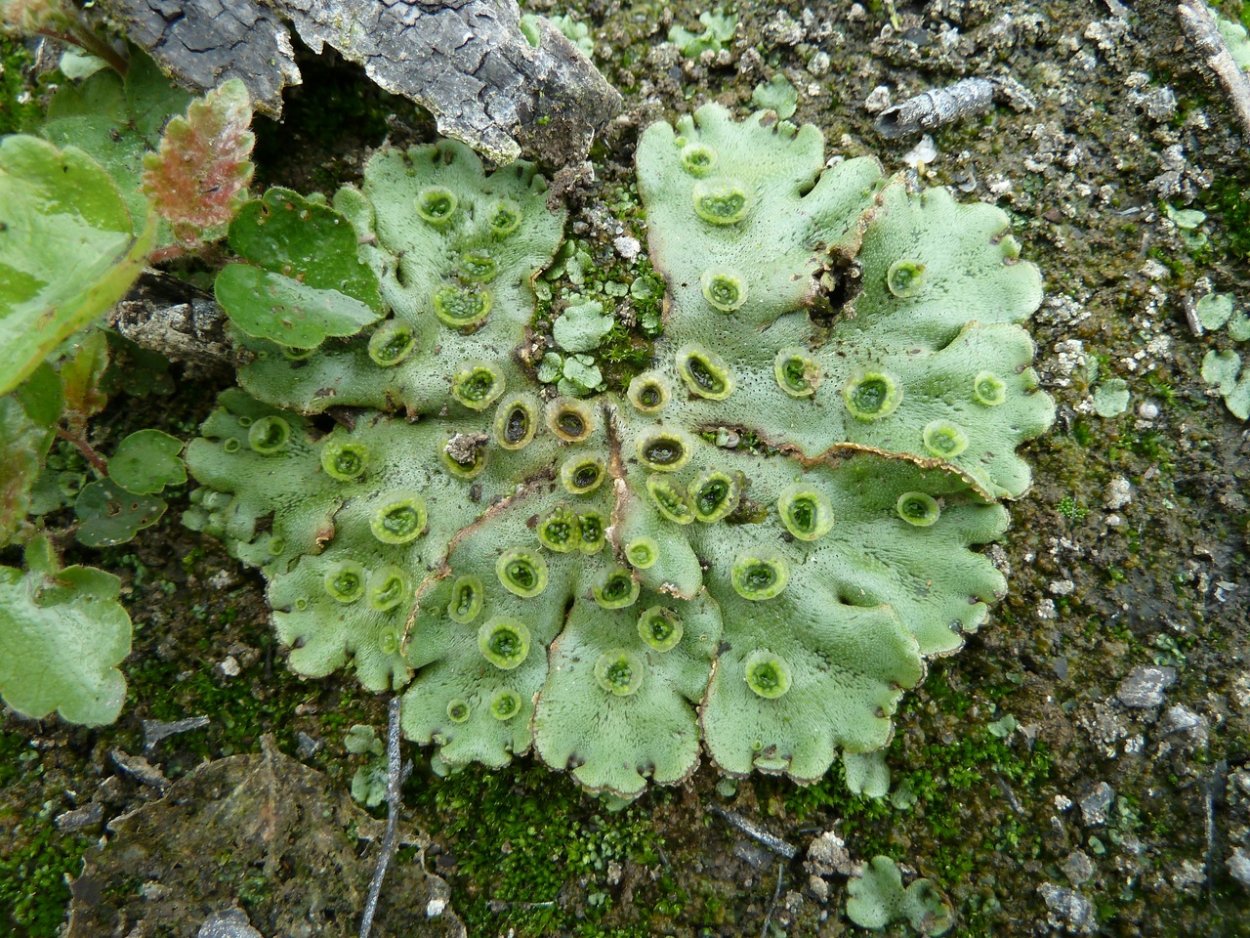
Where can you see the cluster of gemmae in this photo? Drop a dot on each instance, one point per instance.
(749, 552)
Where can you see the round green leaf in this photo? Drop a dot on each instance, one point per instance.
(109, 515)
(286, 233)
(147, 461)
(270, 306)
(61, 637)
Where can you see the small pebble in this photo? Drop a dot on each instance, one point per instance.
(80, 818)
(827, 855)
(628, 247)
(1119, 493)
(1078, 867)
(1144, 687)
(305, 746)
(922, 154)
(1179, 720)
(1095, 805)
(878, 100)
(232, 923)
(1068, 909)
(153, 891)
(1239, 867)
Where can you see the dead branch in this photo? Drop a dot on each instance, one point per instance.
(1199, 26)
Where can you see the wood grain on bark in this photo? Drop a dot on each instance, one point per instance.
(467, 61)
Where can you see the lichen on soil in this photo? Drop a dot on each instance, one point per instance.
(1098, 807)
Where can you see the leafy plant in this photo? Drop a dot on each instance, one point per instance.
(369, 781)
(213, 138)
(777, 95)
(1222, 368)
(68, 251)
(747, 555)
(82, 210)
(877, 899)
(718, 29)
(62, 635)
(303, 282)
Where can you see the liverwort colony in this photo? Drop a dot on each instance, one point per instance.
(747, 554)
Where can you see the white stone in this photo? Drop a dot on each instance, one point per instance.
(627, 247)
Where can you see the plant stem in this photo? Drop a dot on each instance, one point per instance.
(77, 36)
(394, 778)
(97, 461)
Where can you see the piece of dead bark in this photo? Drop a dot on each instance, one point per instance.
(140, 769)
(205, 42)
(169, 318)
(467, 61)
(936, 108)
(262, 825)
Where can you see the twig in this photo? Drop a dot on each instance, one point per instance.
(78, 35)
(394, 778)
(1009, 794)
(936, 108)
(1213, 794)
(155, 730)
(498, 905)
(768, 916)
(775, 844)
(1199, 25)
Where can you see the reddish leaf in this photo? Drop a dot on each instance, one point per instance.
(199, 177)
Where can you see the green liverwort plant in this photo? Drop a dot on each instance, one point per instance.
(618, 582)
(877, 899)
(718, 30)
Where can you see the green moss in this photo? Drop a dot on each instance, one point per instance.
(33, 886)
(242, 710)
(1227, 205)
(532, 855)
(1071, 509)
(19, 104)
(945, 781)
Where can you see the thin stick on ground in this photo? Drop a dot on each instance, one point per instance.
(768, 916)
(394, 779)
(754, 831)
(1200, 27)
